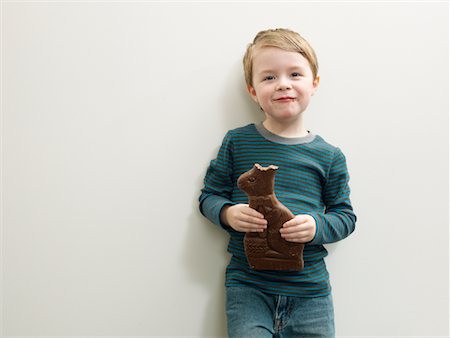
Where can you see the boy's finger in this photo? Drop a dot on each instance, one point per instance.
(254, 213)
(296, 221)
(249, 219)
(257, 220)
(289, 230)
(290, 223)
(251, 227)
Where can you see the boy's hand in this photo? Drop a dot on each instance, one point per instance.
(242, 218)
(300, 229)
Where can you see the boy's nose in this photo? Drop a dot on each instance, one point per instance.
(283, 84)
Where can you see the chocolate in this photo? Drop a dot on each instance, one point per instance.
(268, 250)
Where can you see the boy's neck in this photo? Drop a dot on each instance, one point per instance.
(288, 129)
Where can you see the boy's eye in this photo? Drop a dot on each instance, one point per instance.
(295, 74)
(269, 77)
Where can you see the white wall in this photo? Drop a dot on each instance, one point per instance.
(111, 112)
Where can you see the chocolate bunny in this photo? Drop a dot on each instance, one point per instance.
(268, 250)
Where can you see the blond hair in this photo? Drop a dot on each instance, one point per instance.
(281, 38)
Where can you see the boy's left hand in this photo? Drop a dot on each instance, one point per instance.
(300, 229)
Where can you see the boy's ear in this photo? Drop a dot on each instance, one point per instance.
(252, 92)
(316, 82)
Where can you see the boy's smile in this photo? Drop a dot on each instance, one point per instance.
(285, 99)
(282, 85)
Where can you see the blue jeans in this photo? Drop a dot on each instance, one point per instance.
(254, 314)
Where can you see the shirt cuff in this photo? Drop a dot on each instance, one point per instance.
(318, 237)
(211, 208)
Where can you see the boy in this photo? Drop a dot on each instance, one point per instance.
(312, 181)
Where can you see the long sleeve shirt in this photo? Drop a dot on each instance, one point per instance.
(312, 179)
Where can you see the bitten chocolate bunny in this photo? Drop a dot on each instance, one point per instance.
(268, 250)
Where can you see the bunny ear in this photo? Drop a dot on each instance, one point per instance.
(261, 168)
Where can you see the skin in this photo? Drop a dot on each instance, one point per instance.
(282, 86)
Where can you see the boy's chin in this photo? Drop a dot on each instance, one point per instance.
(284, 117)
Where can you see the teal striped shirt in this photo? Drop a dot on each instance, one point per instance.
(312, 179)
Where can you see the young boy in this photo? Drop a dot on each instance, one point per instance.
(312, 181)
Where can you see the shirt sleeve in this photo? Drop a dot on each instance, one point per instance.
(338, 219)
(218, 183)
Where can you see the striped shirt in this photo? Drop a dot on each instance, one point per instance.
(312, 179)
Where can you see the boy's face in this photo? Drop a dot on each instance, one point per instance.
(283, 83)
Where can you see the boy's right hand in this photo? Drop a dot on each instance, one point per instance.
(242, 218)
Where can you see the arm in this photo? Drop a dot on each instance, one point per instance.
(218, 184)
(338, 219)
(215, 199)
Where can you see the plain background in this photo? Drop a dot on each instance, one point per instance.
(111, 112)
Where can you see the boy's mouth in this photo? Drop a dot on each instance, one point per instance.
(284, 99)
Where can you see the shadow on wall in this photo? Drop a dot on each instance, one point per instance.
(206, 258)
(237, 108)
(205, 254)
